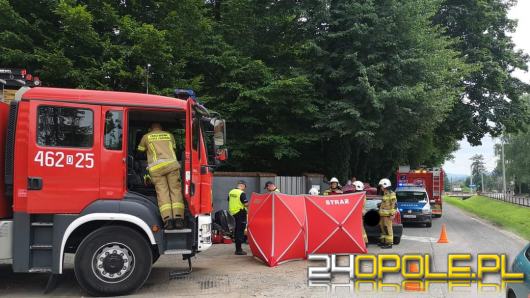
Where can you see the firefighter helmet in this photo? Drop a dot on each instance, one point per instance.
(385, 183)
(334, 180)
(313, 191)
(359, 186)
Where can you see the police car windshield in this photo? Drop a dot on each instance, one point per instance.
(411, 196)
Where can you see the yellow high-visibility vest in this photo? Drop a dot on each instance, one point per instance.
(234, 201)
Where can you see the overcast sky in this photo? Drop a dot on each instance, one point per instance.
(461, 163)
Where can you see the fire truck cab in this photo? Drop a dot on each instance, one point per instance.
(73, 182)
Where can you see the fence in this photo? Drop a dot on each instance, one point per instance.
(509, 198)
(223, 182)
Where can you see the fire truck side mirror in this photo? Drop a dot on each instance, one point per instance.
(219, 135)
(222, 154)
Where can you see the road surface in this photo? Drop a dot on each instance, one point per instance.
(218, 273)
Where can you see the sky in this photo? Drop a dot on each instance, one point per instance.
(461, 163)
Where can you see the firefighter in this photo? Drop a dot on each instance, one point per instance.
(237, 203)
(164, 173)
(386, 212)
(359, 187)
(334, 188)
(271, 187)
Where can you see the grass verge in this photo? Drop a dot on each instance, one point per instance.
(506, 215)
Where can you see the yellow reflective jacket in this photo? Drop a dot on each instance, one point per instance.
(160, 146)
(388, 205)
(234, 201)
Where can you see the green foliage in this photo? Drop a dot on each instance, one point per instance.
(507, 215)
(492, 99)
(517, 159)
(341, 87)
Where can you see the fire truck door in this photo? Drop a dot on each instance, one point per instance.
(113, 157)
(64, 157)
(192, 164)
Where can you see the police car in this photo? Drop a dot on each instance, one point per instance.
(413, 204)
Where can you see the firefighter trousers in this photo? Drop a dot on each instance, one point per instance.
(387, 234)
(169, 195)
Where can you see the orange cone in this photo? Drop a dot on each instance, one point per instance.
(443, 235)
(412, 285)
(413, 267)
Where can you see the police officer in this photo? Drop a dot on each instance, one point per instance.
(237, 203)
(359, 187)
(271, 187)
(386, 212)
(333, 187)
(164, 171)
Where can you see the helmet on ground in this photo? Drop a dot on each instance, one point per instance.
(385, 183)
(313, 191)
(358, 185)
(334, 180)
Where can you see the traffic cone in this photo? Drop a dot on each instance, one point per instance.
(443, 235)
(413, 267)
(413, 285)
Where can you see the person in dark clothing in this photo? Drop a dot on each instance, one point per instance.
(237, 203)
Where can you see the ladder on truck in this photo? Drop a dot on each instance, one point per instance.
(436, 183)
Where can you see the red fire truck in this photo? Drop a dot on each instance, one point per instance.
(73, 183)
(430, 178)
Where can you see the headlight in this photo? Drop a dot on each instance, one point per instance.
(205, 228)
(426, 209)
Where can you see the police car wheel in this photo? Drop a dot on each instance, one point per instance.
(428, 225)
(113, 260)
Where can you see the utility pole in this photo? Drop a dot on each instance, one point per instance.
(471, 179)
(482, 181)
(147, 78)
(503, 167)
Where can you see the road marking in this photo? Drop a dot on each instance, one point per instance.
(419, 239)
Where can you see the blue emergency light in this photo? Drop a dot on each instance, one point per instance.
(185, 94)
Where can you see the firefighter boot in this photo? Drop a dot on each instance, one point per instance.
(179, 223)
(169, 224)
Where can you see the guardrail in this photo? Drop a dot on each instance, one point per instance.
(509, 198)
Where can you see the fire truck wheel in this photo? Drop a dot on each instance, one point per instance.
(113, 260)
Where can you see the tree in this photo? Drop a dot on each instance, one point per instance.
(492, 100)
(389, 79)
(517, 160)
(478, 169)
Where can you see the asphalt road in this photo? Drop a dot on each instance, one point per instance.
(218, 273)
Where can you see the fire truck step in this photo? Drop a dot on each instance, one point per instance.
(40, 270)
(41, 246)
(42, 224)
(177, 231)
(177, 252)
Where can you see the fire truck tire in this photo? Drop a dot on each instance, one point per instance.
(112, 261)
(437, 215)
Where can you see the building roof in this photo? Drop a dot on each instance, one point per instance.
(103, 97)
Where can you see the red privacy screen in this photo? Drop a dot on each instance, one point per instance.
(284, 227)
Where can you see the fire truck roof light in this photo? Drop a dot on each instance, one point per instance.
(185, 94)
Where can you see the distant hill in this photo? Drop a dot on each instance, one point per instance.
(456, 177)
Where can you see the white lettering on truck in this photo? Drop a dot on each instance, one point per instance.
(59, 159)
